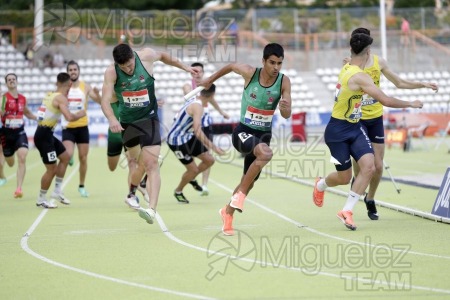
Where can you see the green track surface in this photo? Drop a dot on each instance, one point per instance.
(285, 247)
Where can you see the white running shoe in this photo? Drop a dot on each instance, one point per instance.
(204, 191)
(132, 202)
(144, 193)
(60, 197)
(46, 203)
(83, 192)
(147, 214)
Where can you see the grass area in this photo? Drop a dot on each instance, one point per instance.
(285, 247)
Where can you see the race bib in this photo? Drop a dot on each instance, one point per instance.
(243, 136)
(75, 105)
(367, 100)
(51, 156)
(356, 113)
(136, 99)
(258, 117)
(41, 113)
(13, 122)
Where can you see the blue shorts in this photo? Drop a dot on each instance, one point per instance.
(345, 139)
(374, 129)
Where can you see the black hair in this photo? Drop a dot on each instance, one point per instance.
(209, 92)
(62, 77)
(361, 30)
(273, 49)
(197, 64)
(122, 53)
(359, 42)
(72, 62)
(14, 74)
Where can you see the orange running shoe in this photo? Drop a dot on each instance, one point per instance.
(346, 216)
(18, 193)
(227, 220)
(318, 195)
(237, 201)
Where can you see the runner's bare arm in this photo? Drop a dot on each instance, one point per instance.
(94, 93)
(216, 106)
(27, 112)
(246, 71)
(61, 102)
(286, 101)
(365, 83)
(196, 111)
(186, 89)
(108, 98)
(403, 83)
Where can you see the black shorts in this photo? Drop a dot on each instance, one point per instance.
(345, 139)
(12, 140)
(143, 132)
(374, 129)
(48, 145)
(185, 152)
(245, 139)
(78, 135)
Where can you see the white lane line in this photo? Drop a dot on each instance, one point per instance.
(398, 208)
(26, 248)
(213, 271)
(300, 225)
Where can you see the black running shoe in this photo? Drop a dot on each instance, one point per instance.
(194, 183)
(371, 208)
(181, 198)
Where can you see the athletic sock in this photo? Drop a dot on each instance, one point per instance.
(322, 185)
(42, 194)
(352, 199)
(58, 184)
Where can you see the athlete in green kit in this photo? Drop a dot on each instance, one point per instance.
(130, 82)
(265, 89)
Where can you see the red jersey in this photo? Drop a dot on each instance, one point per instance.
(12, 109)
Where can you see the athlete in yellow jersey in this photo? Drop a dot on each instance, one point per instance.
(50, 148)
(78, 131)
(372, 118)
(344, 134)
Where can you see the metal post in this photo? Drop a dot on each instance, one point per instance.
(383, 29)
(386, 167)
(38, 24)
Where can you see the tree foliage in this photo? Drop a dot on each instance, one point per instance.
(116, 4)
(414, 3)
(196, 4)
(372, 3)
